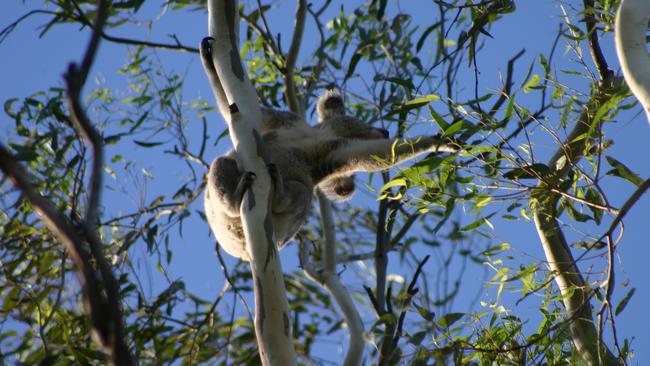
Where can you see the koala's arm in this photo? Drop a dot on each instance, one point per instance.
(379, 154)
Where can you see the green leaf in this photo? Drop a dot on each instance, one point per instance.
(147, 144)
(9, 107)
(476, 223)
(621, 305)
(417, 102)
(534, 80)
(424, 313)
(482, 201)
(407, 83)
(393, 183)
(448, 319)
(438, 119)
(454, 128)
(491, 251)
(353, 65)
(593, 197)
(621, 171)
(424, 36)
(417, 338)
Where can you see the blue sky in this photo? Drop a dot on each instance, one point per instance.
(32, 63)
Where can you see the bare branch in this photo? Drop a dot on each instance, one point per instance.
(6, 31)
(158, 45)
(320, 54)
(410, 220)
(290, 86)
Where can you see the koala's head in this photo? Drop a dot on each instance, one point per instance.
(331, 115)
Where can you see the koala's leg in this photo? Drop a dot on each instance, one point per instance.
(227, 185)
(288, 196)
(379, 154)
(295, 196)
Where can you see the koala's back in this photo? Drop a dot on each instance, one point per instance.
(301, 151)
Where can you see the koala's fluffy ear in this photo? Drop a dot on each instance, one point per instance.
(330, 105)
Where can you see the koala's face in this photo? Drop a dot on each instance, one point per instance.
(351, 128)
(331, 113)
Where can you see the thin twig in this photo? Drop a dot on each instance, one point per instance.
(162, 46)
(410, 220)
(643, 187)
(6, 31)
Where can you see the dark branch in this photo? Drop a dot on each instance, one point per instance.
(594, 44)
(626, 207)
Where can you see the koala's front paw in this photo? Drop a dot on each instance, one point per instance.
(206, 45)
(206, 53)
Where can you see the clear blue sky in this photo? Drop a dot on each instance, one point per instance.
(31, 64)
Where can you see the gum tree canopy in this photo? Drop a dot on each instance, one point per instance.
(510, 252)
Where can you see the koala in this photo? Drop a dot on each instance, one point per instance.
(330, 107)
(302, 158)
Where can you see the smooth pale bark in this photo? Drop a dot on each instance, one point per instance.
(272, 321)
(630, 36)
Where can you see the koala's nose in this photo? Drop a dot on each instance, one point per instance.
(384, 132)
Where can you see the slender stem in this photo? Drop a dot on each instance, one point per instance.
(290, 64)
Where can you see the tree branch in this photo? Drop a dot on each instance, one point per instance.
(626, 207)
(575, 292)
(290, 85)
(594, 44)
(272, 321)
(332, 283)
(136, 42)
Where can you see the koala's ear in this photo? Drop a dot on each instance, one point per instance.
(330, 105)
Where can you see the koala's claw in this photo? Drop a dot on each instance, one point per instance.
(244, 184)
(206, 44)
(206, 53)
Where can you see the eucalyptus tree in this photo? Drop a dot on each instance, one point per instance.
(103, 182)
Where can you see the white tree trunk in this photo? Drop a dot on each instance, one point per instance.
(331, 281)
(272, 321)
(631, 27)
